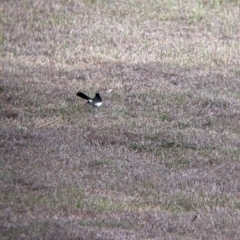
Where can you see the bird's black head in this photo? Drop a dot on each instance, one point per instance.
(98, 96)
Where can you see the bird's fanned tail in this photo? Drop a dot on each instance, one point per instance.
(82, 95)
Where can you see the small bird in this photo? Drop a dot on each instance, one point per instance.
(96, 101)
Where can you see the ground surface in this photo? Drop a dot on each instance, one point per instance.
(160, 159)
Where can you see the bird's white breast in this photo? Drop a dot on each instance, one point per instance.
(98, 104)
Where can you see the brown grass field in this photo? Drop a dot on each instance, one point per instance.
(160, 159)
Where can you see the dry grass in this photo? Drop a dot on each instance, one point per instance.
(160, 159)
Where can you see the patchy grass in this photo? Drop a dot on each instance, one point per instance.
(159, 159)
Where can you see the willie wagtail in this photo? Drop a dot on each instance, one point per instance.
(96, 101)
